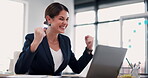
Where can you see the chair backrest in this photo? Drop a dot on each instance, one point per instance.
(13, 61)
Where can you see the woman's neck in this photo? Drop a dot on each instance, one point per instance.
(51, 35)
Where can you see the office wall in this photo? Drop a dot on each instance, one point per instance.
(35, 15)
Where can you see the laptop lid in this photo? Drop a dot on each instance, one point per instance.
(106, 62)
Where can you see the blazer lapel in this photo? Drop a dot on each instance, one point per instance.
(64, 52)
(48, 52)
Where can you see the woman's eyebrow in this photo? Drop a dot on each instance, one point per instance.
(67, 18)
(63, 17)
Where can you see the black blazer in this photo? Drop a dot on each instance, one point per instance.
(41, 61)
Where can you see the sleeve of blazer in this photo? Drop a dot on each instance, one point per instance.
(25, 59)
(78, 65)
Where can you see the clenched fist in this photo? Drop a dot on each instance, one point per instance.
(39, 34)
(89, 41)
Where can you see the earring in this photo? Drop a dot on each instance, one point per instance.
(46, 23)
(49, 24)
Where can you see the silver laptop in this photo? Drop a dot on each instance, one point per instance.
(106, 62)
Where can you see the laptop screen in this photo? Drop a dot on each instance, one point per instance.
(106, 62)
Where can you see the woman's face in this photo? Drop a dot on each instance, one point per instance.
(60, 22)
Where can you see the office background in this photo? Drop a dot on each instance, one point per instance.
(98, 18)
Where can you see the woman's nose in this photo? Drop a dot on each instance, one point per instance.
(65, 22)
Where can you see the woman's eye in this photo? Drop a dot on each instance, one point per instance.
(61, 19)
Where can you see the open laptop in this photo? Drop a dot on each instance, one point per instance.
(106, 62)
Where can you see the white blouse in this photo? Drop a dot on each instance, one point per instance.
(57, 58)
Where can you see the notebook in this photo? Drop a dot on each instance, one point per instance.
(106, 62)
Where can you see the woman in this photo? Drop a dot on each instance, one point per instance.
(47, 52)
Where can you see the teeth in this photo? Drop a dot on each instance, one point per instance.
(62, 27)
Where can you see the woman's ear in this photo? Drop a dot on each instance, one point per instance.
(48, 19)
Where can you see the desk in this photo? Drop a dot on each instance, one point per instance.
(44, 76)
(37, 76)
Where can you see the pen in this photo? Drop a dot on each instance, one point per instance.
(135, 65)
(138, 66)
(129, 63)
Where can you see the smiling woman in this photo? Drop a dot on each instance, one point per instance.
(11, 31)
(48, 51)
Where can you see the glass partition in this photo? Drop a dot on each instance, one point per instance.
(134, 39)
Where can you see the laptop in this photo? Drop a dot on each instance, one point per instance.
(106, 62)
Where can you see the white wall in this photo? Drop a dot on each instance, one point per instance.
(35, 16)
(11, 18)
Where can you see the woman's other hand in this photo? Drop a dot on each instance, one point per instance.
(89, 42)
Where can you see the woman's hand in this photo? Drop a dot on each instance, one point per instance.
(39, 34)
(89, 42)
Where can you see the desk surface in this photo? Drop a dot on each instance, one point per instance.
(44, 76)
(37, 76)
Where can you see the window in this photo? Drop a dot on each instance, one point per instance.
(133, 33)
(80, 33)
(11, 31)
(85, 17)
(109, 34)
(114, 13)
(134, 38)
(108, 31)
